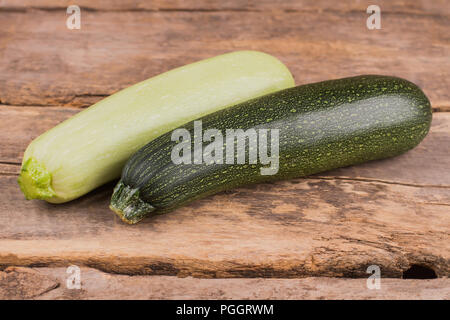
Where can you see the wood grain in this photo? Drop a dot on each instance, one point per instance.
(299, 228)
(437, 7)
(24, 283)
(50, 283)
(115, 49)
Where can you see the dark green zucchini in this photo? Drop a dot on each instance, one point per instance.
(321, 126)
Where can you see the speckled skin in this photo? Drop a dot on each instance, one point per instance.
(322, 126)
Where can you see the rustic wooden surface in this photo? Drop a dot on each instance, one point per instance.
(51, 283)
(393, 213)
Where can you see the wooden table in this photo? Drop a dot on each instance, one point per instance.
(303, 238)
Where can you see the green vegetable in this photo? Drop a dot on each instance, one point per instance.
(91, 148)
(321, 126)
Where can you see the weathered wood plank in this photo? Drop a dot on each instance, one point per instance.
(296, 228)
(116, 49)
(392, 213)
(418, 167)
(438, 7)
(50, 283)
(24, 283)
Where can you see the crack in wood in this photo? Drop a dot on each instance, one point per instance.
(63, 103)
(443, 108)
(14, 9)
(13, 163)
(56, 286)
(381, 181)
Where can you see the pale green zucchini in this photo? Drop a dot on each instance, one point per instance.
(91, 148)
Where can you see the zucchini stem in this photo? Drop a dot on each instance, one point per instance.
(126, 203)
(35, 181)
